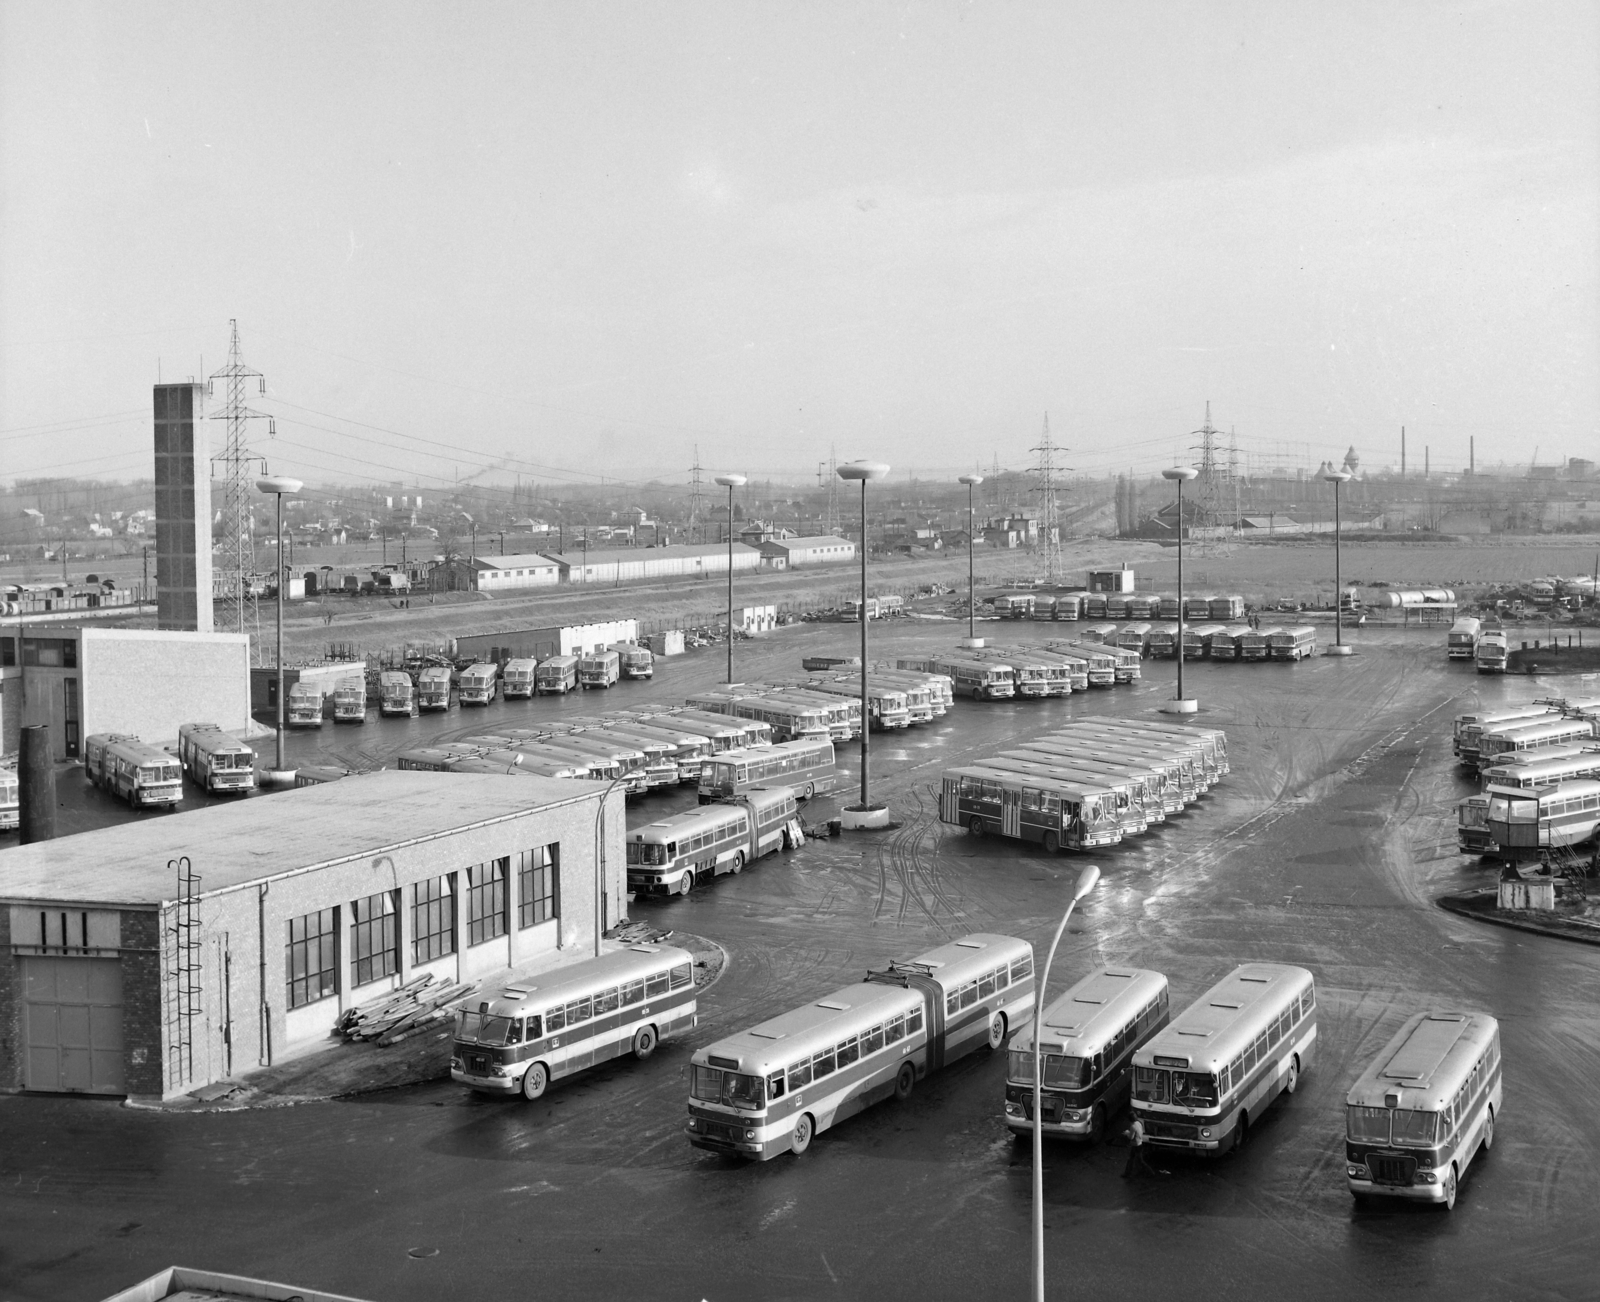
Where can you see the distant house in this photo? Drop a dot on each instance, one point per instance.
(506, 573)
(797, 552)
(633, 564)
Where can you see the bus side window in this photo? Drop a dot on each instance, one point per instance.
(633, 992)
(605, 1002)
(986, 985)
(1023, 967)
(969, 994)
(775, 1085)
(849, 1051)
(682, 975)
(952, 1002)
(823, 1064)
(656, 984)
(800, 1075)
(872, 1041)
(914, 1021)
(555, 1020)
(894, 1030)
(533, 1030)
(578, 1011)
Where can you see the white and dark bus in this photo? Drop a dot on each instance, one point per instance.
(673, 854)
(808, 766)
(773, 1088)
(550, 1024)
(1057, 815)
(216, 761)
(142, 775)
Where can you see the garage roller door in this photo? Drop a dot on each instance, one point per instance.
(72, 1024)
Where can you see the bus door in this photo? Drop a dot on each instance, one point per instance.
(950, 801)
(1010, 812)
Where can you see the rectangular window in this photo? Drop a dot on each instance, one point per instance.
(555, 1020)
(894, 1031)
(657, 983)
(849, 1051)
(375, 936)
(312, 957)
(606, 1002)
(538, 885)
(578, 1011)
(433, 918)
(682, 975)
(800, 1075)
(8, 652)
(913, 1021)
(1022, 967)
(872, 1041)
(633, 992)
(486, 900)
(823, 1065)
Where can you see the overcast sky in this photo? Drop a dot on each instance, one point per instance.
(592, 236)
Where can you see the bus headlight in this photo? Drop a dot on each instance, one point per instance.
(1013, 1109)
(1427, 1177)
(693, 1124)
(455, 1062)
(749, 1134)
(1205, 1134)
(1356, 1172)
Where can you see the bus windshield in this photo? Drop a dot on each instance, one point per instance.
(1194, 1089)
(489, 1028)
(732, 1088)
(643, 852)
(1369, 1125)
(1061, 1071)
(1411, 1127)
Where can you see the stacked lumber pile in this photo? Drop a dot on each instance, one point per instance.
(638, 933)
(415, 1007)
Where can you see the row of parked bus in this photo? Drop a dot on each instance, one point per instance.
(1415, 1119)
(829, 706)
(1087, 785)
(1540, 770)
(1117, 605)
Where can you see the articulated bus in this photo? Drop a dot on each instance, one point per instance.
(1541, 769)
(350, 700)
(807, 766)
(216, 760)
(477, 685)
(518, 678)
(1492, 653)
(974, 678)
(1424, 1108)
(1496, 745)
(1088, 1036)
(140, 774)
(1132, 802)
(773, 1088)
(551, 1024)
(1469, 728)
(396, 694)
(10, 800)
(1523, 824)
(433, 688)
(1472, 825)
(669, 856)
(1225, 1058)
(1158, 794)
(788, 721)
(726, 731)
(1058, 815)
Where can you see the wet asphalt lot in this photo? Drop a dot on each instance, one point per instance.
(1325, 848)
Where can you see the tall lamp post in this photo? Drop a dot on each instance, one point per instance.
(1336, 478)
(971, 481)
(276, 486)
(1086, 883)
(864, 815)
(730, 482)
(1181, 704)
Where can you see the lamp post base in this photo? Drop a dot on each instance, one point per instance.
(972, 642)
(277, 777)
(1339, 649)
(1180, 705)
(864, 818)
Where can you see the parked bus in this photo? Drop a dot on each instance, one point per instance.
(1167, 607)
(1228, 609)
(428, 759)
(788, 721)
(628, 758)
(886, 706)
(660, 754)
(1424, 1108)
(1295, 643)
(1067, 673)
(1224, 644)
(1058, 815)
(928, 696)
(477, 684)
(518, 678)
(1492, 653)
(1014, 605)
(545, 1025)
(1462, 640)
(806, 765)
(128, 768)
(556, 676)
(1469, 728)
(1143, 605)
(1213, 741)
(727, 732)
(1098, 633)
(304, 705)
(674, 854)
(843, 712)
(350, 700)
(851, 613)
(1088, 1036)
(1031, 677)
(1068, 606)
(1128, 796)
(1183, 767)
(216, 761)
(1496, 743)
(1133, 637)
(1103, 661)
(1539, 769)
(433, 688)
(598, 766)
(10, 800)
(1257, 644)
(1197, 607)
(1197, 638)
(1198, 1084)
(1524, 824)
(634, 661)
(975, 678)
(396, 694)
(1157, 792)
(1472, 825)
(690, 748)
(1162, 643)
(314, 775)
(599, 669)
(773, 1088)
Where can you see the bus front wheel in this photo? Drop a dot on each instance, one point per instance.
(905, 1082)
(644, 1042)
(804, 1128)
(1293, 1078)
(811, 790)
(1488, 1132)
(1450, 1182)
(997, 1031)
(534, 1081)
(1052, 843)
(738, 862)
(686, 882)
(976, 827)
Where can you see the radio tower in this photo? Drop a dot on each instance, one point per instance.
(236, 562)
(1049, 515)
(697, 495)
(1208, 487)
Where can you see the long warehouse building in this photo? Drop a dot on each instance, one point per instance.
(117, 977)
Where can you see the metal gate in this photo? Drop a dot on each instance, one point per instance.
(72, 1024)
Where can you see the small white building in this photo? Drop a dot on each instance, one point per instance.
(823, 550)
(552, 640)
(508, 573)
(642, 564)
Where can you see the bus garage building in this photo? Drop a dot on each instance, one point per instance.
(118, 976)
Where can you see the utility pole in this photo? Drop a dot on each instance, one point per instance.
(697, 496)
(1049, 515)
(236, 603)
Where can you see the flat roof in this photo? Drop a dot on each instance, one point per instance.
(814, 540)
(266, 837)
(613, 555)
(519, 561)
